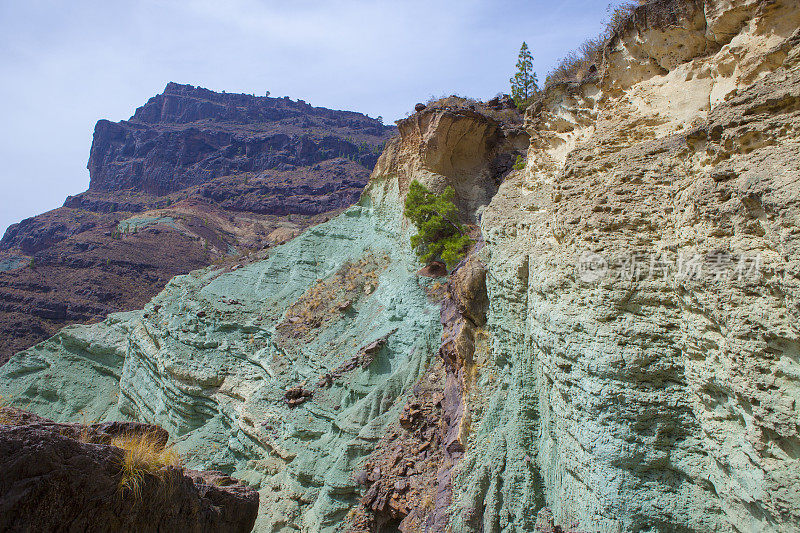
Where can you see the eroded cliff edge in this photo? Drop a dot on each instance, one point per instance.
(662, 402)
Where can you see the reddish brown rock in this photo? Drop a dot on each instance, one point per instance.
(295, 396)
(216, 174)
(64, 477)
(401, 476)
(408, 477)
(469, 290)
(435, 269)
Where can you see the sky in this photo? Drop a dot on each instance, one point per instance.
(65, 65)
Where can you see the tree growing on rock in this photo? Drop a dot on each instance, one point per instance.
(524, 84)
(440, 234)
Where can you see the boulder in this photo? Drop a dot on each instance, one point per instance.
(469, 289)
(58, 477)
(435, 269)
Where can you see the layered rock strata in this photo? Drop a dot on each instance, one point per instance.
(192, 178)
(284, 371)
(620, 355)
(641, 369)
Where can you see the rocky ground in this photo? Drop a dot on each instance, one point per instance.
(60, 477)
(194, 177)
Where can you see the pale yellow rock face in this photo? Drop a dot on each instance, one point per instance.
(666, 402)
(456, 147)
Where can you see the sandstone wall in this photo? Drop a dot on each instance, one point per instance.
(663, 403)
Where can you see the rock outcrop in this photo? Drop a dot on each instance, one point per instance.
(452, 142)
(287, 370)
(637, 369)
(619, 352)
(189, 136)
(192, 178)
(641, 369)
(69, 476)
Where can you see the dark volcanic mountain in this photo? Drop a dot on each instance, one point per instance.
(192, 178)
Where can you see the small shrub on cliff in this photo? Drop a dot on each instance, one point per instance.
(144, 455)
(441, 235)
(578, 64)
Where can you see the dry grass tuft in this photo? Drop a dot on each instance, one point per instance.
(4, 418)
(511, 116)
(144, 455)
(452, 100)
(86, 434)
(9, 414)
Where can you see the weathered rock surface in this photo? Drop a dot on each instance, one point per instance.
(287, 371)
(193, 177)
(451, 142)
(400, 477)
(211, 358)
(408, 478)
(636, 402)
(189, 135)
(58, 477)
(621, 354)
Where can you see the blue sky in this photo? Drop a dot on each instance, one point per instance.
(64, 65)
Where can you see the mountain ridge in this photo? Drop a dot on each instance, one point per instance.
(193, 177)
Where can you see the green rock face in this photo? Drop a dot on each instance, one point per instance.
(211, 358)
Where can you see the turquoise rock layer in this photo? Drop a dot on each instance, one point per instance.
(211, 357)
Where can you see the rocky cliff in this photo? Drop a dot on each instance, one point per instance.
(619, 352)
(639, 366)
(285, 369)
(193, 177)
(189, 136)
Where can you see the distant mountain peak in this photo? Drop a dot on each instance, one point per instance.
(189, 135)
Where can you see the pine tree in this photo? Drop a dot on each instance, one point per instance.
(524, 83)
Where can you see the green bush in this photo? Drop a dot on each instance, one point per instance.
(441, 235)
(519, 164)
